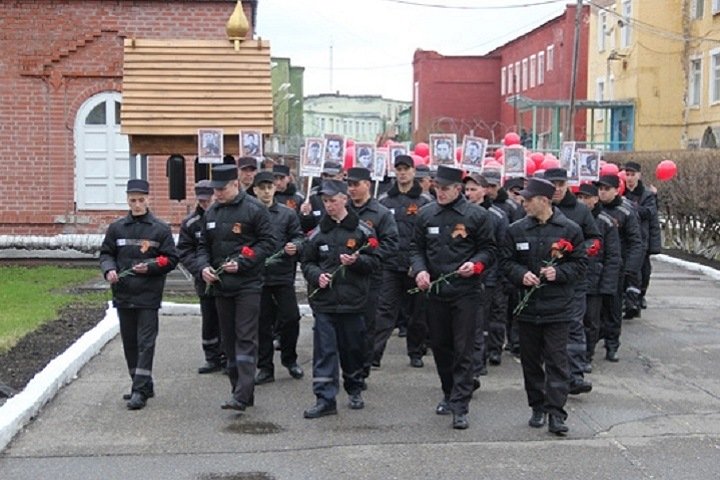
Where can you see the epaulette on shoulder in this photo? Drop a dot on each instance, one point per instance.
(497, 211)
(605, 217)
(383, 197)
(193, 219)
(625, 209)
(365, 228)
(313, 233)
(427, 197)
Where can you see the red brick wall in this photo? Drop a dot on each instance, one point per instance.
(54, 55)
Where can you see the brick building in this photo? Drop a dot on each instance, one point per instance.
(61, 77)
(477, 93)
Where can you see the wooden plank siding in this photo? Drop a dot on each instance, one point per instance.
(171, 88)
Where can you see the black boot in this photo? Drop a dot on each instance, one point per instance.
(537, 420)
(557, 425)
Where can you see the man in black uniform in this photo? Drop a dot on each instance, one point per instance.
(565, 201)
(645, 200)
(379, 218)
(452, 246)
(278, 304)
(236, 239)
(404, 200)
(603, 268)
(285, 191)
(137, 252)
(188, 241)
(312, 209)
(338, 259)
(623, 212)
(544, 249)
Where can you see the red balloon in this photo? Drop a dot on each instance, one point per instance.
(349, 142)
(549, 162)
(621, 187)
(417, 159)
(537, 157)
(622, 176)
(665, 170)
(458, 153)
(511, 138)
(349, 158)
(426, 159)
(530, 168)
(609, 169)
(493, 165)
(498, 152)
(500, 160)
(422, 149)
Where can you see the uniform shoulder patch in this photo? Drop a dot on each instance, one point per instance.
(607, 219)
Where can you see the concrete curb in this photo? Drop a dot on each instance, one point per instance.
(20, 409)
(695, 267)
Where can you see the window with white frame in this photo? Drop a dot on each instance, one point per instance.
(510, 80)
(503, 80)
(533, 70)
(550, 57)
(541, 68)
(698, 9)
(695, 82)
(715, 75)
(601, 30)
(524, 74)
(600, 96)
(715, 6)
(625, 30)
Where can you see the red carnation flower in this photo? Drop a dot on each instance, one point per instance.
(373, 242)
(594, 248)
(247, 252)
(478, 268)
(162, 261)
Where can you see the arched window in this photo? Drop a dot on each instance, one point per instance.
(102, 155)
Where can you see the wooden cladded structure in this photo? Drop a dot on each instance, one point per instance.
(172, 88)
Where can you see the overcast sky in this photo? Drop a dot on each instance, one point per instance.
(373, 41)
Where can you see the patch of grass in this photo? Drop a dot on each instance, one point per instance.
(32, 296)
(179, 298)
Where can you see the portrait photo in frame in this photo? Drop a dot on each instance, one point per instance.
(311, 157)
(394, 150)
(210, 145)
(588, 161)
(442, 149)
(380, 167)
(251, 143)
(473, 153)
(365, 155)
(514, 164)
(333, 148)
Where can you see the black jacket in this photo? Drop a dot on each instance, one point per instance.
(290, 197)
(604, 268)
(311, 220)
(350, 285)
(580, 214)
(286, 227)
(131, 240)
(404, 207)
(645, 203)
(446, 236)
(527, 247)
(628, 225)
(188, 241)
(512, 209)
(227, 228)
(379, 218)
(501, 223)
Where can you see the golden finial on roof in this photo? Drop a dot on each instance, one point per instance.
(237, 25)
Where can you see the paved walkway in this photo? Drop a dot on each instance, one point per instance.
(656, 414)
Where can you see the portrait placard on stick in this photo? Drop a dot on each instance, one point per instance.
(442, 149)
(251, 143)
(334, 148)
(588, 164)
(311, 157)
(514, 161)
(210, 145)
(380, 166)
(473, 153)
(365, 155)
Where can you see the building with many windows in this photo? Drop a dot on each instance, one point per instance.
(364, 118)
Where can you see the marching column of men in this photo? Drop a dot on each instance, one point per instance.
(445, 264)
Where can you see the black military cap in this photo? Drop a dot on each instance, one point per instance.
(356, 174)
(515, 182)
(632, 167)
(448, 175)
(422, 171)
(281, 170)
(556, 175)
(247, 162)
(138, 185)
(490, 177)
(222, 174)
(473, 177)
(588, 189)
(538, 187)
(332, 188)
(264, 176)
(404, 160)
(608, 181)
(203, 190)
(331, 168)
